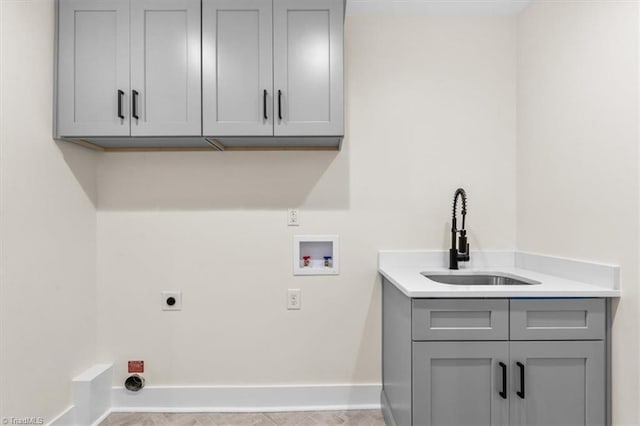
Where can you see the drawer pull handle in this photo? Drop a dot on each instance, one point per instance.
(503, 392)
(135, 104)
(264, 104)
(520, 393)
(120, 95)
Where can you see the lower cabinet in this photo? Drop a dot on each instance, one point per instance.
(508, 383)
(460, 383)
(557, 383)
(494, 362)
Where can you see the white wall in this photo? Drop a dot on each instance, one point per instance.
(430, 107)
(578, 154)
(47, 224)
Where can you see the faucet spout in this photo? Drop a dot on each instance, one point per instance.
(461, 252)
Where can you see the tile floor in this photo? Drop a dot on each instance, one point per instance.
(302, 418)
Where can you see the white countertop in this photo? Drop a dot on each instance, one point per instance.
(570, 278)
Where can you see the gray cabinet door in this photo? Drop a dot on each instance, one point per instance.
(165, 68)
(308, 67)
(564, 384)
(237, 68)
(93, 68)
(459, 383)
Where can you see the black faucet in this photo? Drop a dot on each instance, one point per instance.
(462, 254)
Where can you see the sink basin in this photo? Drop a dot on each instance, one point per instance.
(481, 278)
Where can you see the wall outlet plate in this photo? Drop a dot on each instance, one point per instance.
(171, 300)
(294, 299)
(293, 217)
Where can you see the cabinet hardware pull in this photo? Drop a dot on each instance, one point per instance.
(120, 95)
(503, 392)
(134, 109)
(280, 104)
(520, 393)
(264, 103)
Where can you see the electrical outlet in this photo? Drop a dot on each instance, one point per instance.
(294, 298)
(293, 217)
(171, 301)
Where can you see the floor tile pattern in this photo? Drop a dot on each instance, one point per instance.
(298, 418)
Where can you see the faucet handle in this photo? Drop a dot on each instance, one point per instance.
(464, 255)
(463, 245)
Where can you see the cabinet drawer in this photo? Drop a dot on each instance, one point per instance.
(557, 319)
(460, 319)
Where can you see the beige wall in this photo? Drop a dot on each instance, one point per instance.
(430, 107)
(578, 154)
(47, 224)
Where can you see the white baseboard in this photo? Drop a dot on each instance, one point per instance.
(91, 398)
(66, 418)
(101, 418)
(247, 398)
(94, 398)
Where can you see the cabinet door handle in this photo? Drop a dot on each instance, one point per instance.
(520, 393)
(120, 95)
(503, 392)
(280, 104)
(134, 108)
(264, 103)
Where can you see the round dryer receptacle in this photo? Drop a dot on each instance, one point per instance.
(134, 383)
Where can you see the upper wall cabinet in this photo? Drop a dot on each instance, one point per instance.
(128, 68)
(206, 74)
(272, 68)
(308, 67)
(165, 68)
(237, 65)
(93, 68)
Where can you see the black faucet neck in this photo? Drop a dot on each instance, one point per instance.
(460, 193)
(459, 253)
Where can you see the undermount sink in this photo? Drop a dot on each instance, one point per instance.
(481, 278)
